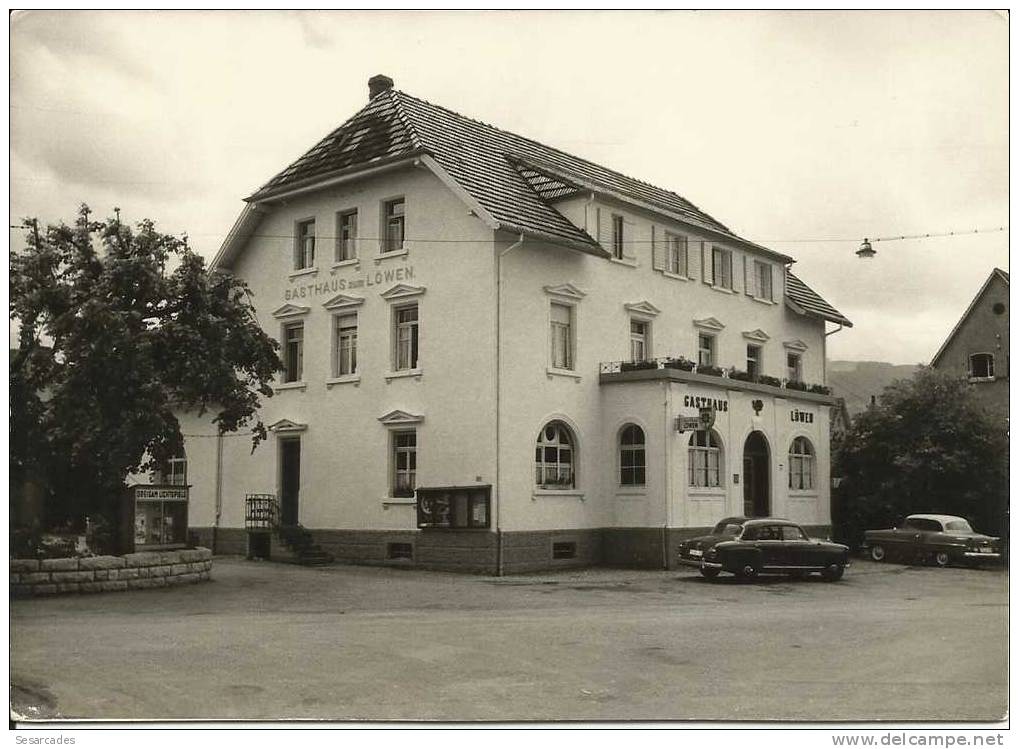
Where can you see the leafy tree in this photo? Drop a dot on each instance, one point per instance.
(111, 344)
(926, 446)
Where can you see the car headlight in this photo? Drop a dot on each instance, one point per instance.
(710, 554)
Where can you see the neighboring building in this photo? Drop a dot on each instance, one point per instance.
(482, 338)
(977, 347)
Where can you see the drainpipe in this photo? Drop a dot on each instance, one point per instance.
(824, 352)
(667, 465)
(498, 396)
(219, 488)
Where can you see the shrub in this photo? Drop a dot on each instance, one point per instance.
(769, 380)
(739, 374)
(709, 369)
(679, 363)
(821, 389)
(796, 385)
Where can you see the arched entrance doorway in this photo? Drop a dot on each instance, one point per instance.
(756, 478)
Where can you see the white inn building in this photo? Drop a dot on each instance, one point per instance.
(490, 346)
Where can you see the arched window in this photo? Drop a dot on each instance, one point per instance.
(801, 464)
(981, 365)
(632, 460)
(555, 457)
(705, 459)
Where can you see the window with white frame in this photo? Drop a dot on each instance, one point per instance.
(640, 340)
(561, 332)
(705, 459)
(346, 236)
(678, 255)
(721, 267)
(618, 240)
(981, 366)
(753, 360)
(173, 470)
(405, 457)
(801, 464)
(794, 367)
(705, 350)
(405, 336)
(555, 457)
(393, 225)
(632, 456)
(345, 344)
(293, 352)
(304, 245)
(763, 282)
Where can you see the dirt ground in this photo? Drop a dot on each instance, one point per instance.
(273, 641)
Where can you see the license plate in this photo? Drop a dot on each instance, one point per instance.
(986, 549)
(696, 553)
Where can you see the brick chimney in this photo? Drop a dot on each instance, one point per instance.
(378, 84)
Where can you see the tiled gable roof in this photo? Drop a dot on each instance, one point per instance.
(804, 299)
(504, 172)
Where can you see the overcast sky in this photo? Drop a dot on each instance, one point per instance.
(785, 126)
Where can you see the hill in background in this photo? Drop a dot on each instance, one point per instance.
(857, 381)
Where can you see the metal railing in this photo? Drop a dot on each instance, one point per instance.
(261, 512)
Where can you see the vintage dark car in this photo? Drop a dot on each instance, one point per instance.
(935, 539)
(748, 547)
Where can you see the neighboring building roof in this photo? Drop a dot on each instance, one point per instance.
(996, 273)
(806, 301)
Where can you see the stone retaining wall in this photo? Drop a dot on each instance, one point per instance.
(146, 569)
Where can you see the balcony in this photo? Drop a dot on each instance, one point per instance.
(683, 370)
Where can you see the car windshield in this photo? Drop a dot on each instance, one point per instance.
(958, 525)
(727, 528)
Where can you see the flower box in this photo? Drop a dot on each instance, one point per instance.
(769, 380)
(796, 385)
(681, 363)
(709, 369)
(631, 366)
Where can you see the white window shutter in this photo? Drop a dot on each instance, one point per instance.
(707, 273)
(748, 275)
(774, 281)
(738, 282)
(659, 249)
(629, 246)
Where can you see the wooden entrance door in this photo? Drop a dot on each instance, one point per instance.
(290, 480)
(756, 479)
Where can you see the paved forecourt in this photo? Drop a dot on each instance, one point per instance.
(271, 641)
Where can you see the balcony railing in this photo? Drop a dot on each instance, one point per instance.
(727, 373)
(261, 512)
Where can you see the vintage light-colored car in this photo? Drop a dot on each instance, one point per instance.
(748, 547)
(939, 539)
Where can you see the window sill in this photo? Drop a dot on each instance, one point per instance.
(303, 272)
(340, 264)
(677, 276)
(627, 493)
(299, 385)
(803, 494)
(555, 372)
(564, 493)
(628, 262)
(722, 289)
(388, 502)
(700, 492)
(403, 373)
(982, 379)
(762, 300)
(385, 255)
(351, 379)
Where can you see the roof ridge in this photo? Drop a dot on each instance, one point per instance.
(564, 153)
(415, 136)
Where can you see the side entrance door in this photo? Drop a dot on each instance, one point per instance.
(290, 480)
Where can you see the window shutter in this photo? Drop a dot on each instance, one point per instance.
(597, 227)
(774, 280)
(748, 275)
(629, 246)
(738, 283)
(659, 250)
(707, 274)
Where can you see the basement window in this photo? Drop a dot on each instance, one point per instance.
(399, 551)
(564, 549)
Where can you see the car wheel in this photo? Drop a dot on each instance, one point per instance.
(748, 571)
(941, 558)
(833, 572)
(877, 553)
(709, 572)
